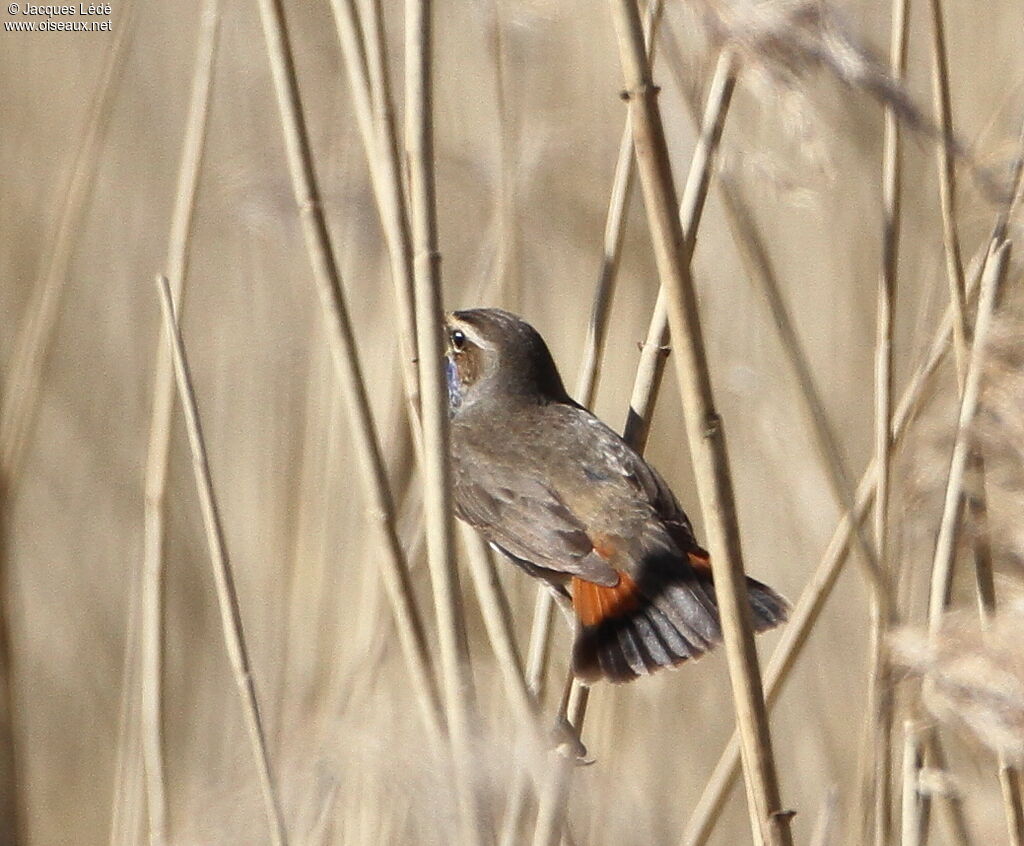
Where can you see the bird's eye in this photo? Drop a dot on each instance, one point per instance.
(458, 340)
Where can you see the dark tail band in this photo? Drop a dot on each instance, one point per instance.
(638, 627)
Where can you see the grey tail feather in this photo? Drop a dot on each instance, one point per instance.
(676, 619)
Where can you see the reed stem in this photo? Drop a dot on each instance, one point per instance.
(703, 424)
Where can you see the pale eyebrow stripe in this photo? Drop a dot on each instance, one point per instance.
(471, 331)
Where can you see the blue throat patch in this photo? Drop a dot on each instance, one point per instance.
(451, 373)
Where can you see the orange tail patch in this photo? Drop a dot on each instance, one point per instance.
(595, 603)
(700, 560)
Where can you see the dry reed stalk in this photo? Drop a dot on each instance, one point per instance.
(756, 260)
(949, 528)
(589, 374)
(945, 546)
(946, 160)
(1009, 775)
(652, 362)
(353, 54)
(754, 256)
(550, 825)
(654, 351)
(342, 345)
(507, 264)
(538, 650)
(914, 815)
(394, 208)
(808, 607)
(444, 577)
(227, 597)
(650, 369)
(155, 482)
(804, 615)
(364, 53)
(704, 426)
(707, 810)
(880, 682)
(497, 618)
(128, 800)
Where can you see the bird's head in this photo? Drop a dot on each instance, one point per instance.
(494, 355)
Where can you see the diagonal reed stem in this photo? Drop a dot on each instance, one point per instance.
(945, 152)
(227, 597)
(975, 468)
(341, 341)
(949, 528)
(654, 351)
(614, 233)
(364, 53)
(754, 255)
(807, 609)
(1009, 774)
(155, 482)
(497, 617)
(703, 424)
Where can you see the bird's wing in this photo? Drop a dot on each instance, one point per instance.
(646, 482)
(527, 518)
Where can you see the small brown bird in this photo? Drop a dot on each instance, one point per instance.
(558, 492)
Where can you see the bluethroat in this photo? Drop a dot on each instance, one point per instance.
(566, 499)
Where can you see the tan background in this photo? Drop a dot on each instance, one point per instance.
(328, 670)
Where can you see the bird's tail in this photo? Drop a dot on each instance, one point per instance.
(668, 614)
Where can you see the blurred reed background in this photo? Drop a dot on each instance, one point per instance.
(158, 148)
